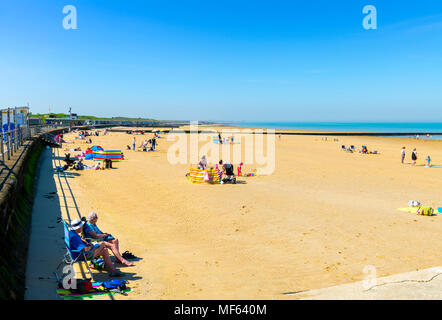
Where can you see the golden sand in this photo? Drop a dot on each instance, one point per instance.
(317, 221)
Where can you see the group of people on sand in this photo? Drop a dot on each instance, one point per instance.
(365, 150)
(153, 143)
(414, 157)
(83, 134)
(86, 237)
(225, 169)
(59, 138)
(80, 165)
(228, 140)
(76, 164)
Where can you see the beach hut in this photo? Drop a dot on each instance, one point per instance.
(197, 176)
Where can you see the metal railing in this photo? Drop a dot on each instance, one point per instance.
(12, 140)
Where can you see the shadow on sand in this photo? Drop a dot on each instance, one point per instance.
(54, 199)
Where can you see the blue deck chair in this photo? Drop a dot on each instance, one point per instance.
(68, 258)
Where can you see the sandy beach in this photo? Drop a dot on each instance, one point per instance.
(317, 221)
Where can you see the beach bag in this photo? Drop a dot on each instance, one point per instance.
(413, 203)
(119, 285)
(98, 263)
(425, 211)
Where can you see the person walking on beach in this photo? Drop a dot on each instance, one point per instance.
(133, 144)
(154, 143)
(414, 156)
(402, 155)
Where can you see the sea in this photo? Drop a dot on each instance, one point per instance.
(434, 129)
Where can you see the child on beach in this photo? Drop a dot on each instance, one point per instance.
(402, 154)
(239, 169)
(202, 165)
(428, 161)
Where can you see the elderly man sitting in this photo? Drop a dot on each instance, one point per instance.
(92, 231)
(78, 245)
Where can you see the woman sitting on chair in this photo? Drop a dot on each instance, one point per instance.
(91, 231)
(77, 244)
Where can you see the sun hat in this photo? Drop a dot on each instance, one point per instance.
(77, 223)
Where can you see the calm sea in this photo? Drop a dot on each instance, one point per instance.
(422, 128)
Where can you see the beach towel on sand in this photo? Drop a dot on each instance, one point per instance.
(98, 289)
(409, 209)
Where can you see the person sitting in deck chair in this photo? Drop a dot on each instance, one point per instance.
(77, 245)
(91, 231)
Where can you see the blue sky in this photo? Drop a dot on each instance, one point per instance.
(225, 60)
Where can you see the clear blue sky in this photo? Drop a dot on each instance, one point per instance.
(225, 60)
